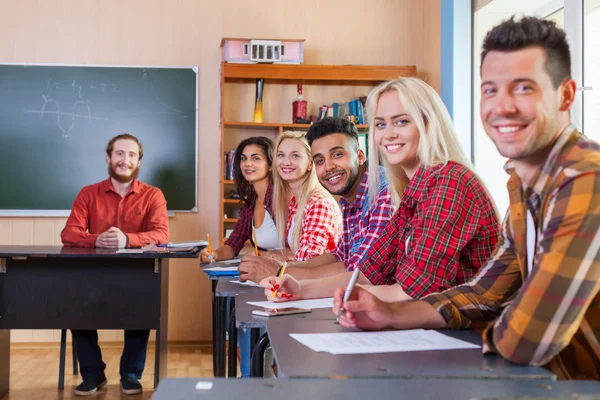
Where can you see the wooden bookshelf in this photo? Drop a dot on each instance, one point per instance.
(263, 125)
(326, 76)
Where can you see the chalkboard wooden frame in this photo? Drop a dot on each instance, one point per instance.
(39, 212)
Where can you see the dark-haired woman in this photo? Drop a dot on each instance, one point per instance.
(252, 175)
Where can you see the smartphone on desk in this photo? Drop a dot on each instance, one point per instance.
(274, 312)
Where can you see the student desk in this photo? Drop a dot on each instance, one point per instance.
(219, 316)
(363, 389)
(245, 319)
(294, 360)
(225, 290)
(53, 287)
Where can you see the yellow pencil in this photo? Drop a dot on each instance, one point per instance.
(281, 271)
(255, 243)
(209, 248)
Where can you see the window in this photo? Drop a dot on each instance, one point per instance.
(591, 69)
(246, 49)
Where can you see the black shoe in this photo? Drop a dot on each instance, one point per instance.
(90, 386)
(130, 385)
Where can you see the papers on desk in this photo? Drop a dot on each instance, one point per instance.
(152, 248)
(195, 243)
(380, 342)
(313, 303)
(130, 251)
(226, 264)
(220, 269)
(247, 283)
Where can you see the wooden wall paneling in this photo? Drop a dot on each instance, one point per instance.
(188, 32)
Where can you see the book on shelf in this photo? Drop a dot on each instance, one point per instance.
(229, 159)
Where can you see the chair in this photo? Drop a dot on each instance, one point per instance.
(63, 354)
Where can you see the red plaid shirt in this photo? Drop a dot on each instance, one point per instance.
(363, 225)
(444, 230)
(321, 225)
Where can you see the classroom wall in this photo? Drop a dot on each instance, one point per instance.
(188, 32)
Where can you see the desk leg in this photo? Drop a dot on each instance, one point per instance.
(4, 361)
(254, 337)
(232, 361)
(162, 333)
(221, 306)
(160, 357)
(214, 328)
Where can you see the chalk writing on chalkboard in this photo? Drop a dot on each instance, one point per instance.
(69, 116)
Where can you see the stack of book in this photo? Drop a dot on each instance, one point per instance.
(356, 107)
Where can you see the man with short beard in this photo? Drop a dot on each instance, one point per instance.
(342, 169)
(116, 213)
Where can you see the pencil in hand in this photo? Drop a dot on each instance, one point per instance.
(281, 271)
(209, 248)
(255, 242)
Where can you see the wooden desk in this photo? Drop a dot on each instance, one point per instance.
(362, 389)
(53, 287)
(294, 360)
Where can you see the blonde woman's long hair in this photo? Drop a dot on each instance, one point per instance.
(438, 143)
(282, 193)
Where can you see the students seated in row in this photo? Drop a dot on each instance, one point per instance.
(116, 213)
(252, 166)
(446, 224)
(538, 295)
(341, 168)
(313, 217)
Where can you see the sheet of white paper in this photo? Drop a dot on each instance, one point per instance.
(130, 251)
(313, 303)
(380, 342)
(221, 268)
(247, 283)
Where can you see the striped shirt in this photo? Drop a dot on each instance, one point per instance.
(551, 315)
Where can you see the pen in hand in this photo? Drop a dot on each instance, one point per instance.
(349, 288)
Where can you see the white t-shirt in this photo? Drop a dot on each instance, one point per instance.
(266, 234)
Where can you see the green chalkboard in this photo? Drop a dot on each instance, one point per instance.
(55, 122)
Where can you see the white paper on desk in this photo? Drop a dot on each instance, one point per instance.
(221, 268)
(313, 303)
(247, 283)
(380, 342)
(130, 251)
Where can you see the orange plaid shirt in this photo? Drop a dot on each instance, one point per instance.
(551, 315)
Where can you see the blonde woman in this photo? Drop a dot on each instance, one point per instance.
(314, 219)
(446, 225)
